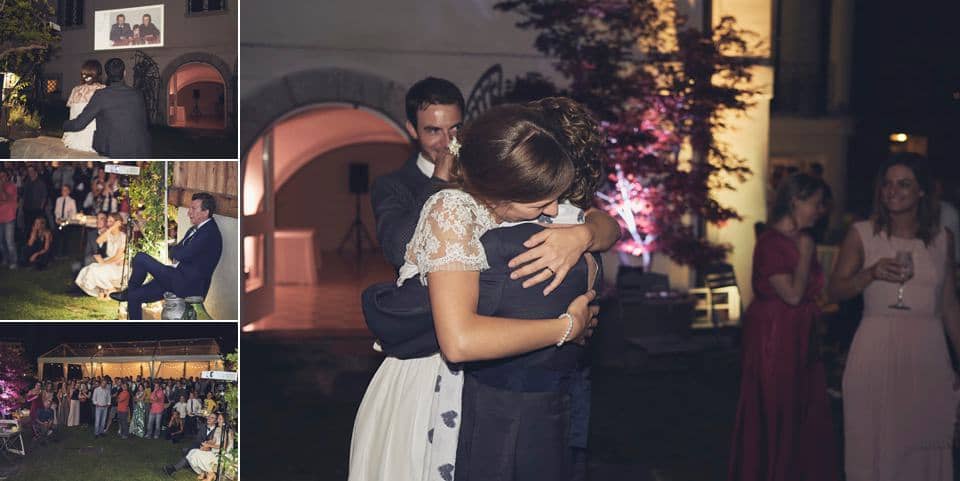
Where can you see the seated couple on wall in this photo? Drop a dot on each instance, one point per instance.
(109, 119)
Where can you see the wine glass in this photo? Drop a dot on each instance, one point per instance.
(905, 259)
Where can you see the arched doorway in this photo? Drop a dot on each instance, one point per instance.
(196, 97)
(289, 104)
(204, 72)
(307, 208)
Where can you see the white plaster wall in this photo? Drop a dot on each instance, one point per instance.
(402, 41)
(221, 300)
(748, 135)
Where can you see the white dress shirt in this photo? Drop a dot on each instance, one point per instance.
(65, 208)
(194, 406)
(181, 407)
(101, 396)
(425, 165)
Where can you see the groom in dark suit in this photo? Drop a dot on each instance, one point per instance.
(434, 110)
(195, 257)
(121, 117)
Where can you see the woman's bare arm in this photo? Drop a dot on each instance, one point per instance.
(559, 247)
(949, 305)
(791, 287)
(850, 277)
(465, 335)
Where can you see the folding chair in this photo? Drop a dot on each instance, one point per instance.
(11, 438)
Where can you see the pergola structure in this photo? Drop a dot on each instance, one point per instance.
(150, 359)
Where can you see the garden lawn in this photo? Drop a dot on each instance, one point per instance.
(28, 294)
(76, 455)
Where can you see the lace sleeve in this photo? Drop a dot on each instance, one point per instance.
(81, 94)
(447, 237)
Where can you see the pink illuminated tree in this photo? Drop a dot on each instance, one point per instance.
(661, 91)
(13, 380)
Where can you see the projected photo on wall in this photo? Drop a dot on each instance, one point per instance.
(132, 27)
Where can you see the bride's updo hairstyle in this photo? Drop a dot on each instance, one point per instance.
(91, 72)
(584, 142)
(513, 153)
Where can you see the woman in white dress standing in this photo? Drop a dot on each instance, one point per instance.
(91, 74)
(105, 274)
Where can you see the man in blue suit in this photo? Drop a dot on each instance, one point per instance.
(194, 259)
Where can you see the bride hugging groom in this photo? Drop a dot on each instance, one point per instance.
(109, 119)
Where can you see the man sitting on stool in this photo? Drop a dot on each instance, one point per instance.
(194, 259)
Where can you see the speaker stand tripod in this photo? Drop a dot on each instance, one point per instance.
(359, 232)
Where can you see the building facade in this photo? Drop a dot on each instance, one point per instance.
(316, 67)
(188, 75)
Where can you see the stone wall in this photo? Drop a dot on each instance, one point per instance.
(46, 148)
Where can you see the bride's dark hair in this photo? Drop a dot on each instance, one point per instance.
(91, 72)
(513, 153)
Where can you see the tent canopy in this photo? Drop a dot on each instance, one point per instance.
(166, 358)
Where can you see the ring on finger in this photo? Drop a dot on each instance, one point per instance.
(552, 273)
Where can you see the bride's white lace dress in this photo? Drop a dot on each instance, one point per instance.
(100, 278)
(79, 98)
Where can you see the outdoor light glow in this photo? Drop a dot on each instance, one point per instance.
(898, 137)
(626, 202)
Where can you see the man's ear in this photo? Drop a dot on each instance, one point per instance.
(412, 130)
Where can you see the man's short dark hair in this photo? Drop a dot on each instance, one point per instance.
(121, 16)
(114, 68)
(431, 91)
(207, 202)
(147, 15)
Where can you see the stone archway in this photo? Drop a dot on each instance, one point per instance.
(230, 84)
(262, 107)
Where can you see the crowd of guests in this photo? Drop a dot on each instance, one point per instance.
(900, 388)
(36, 198)
(178, 410)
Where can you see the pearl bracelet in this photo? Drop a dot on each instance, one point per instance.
(566, 334)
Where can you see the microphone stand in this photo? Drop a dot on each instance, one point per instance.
(127, 259)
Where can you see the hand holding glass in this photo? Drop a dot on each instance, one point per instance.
(905, 259)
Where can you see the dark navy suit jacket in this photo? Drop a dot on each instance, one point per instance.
(121, 117)
(397, 199)
(198, 257)
(401, 319)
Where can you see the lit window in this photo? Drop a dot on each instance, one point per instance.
(53, 85)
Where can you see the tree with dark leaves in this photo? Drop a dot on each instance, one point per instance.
(661, 91)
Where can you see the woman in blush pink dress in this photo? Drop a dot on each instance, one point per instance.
(899, 397)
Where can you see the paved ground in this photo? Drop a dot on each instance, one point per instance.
(666, 419)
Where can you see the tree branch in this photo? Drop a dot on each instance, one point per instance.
(25, 48)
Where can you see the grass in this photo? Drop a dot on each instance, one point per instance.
(28, 294)
(77, 455)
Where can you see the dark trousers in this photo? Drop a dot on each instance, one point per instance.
(124, 419)
(164, 278)
(513, 436)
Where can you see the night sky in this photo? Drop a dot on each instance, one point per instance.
(906, 78)
(40, 337)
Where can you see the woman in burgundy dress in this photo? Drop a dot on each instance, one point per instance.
(783, 428)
